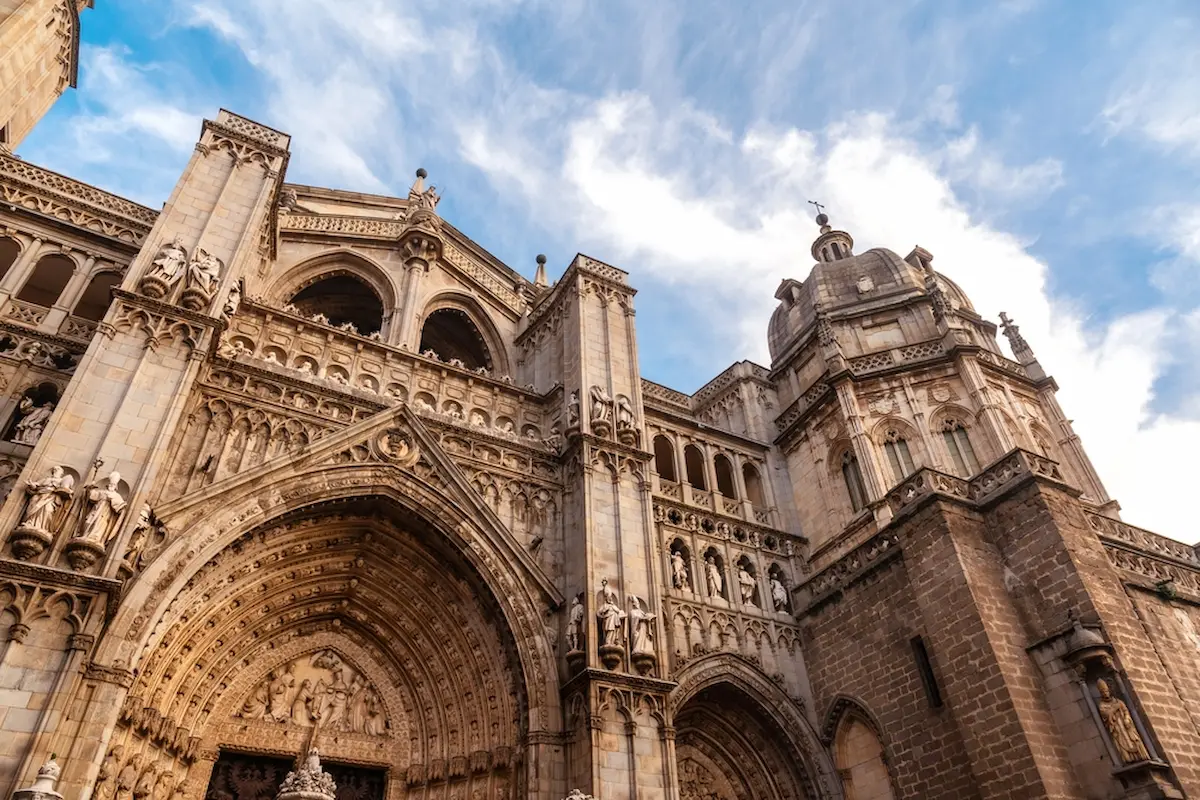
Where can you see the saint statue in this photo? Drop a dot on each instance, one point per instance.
(203, 272)
(641, 621)
(573, 410)
(333, 697)
(104, 507)
(1119, 722)
(624, 412)
(575, 626)
(611, 617)
(356, 718)
(233, 300)
(601, 405)
(106, 779)
(302, 703)
(168, 265)
(716, 582)
(127, 777)
(29, 428)
(256, 704)
(778, 594)
(279, 687)
(145, 784)
(137, 539)
(746, 584)
(46, 497)
(679, 572)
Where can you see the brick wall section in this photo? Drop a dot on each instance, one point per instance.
(1041, 515)
(976, 634)
(860, 646)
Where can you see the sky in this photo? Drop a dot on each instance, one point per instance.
(1047, 154)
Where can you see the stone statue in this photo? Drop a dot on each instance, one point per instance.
(716, 582)
(168, 265)
(106, 783)
(203, 272)
(279, 689)
(104, 507)
(679, 572)
(46, 497)
(575, 626)
(641, 623)
(30, 426)
(373, 714)
(746, 584)
(624, 412)
(162, 789)
(1119, 722)
(233, 300)
(611, 617)
(137, 539)
(309, 780)
(301, 711)
(145, 784)
(601, 405)
(256, 704)
(334, 698)
(128, 775)
(573, 410)
(778, 594)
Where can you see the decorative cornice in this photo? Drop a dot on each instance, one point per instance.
(691, 518)
(830, 582)
(114, 675)
(621, 680)
(58, 577)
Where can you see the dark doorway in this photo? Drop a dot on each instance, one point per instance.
(242, 776)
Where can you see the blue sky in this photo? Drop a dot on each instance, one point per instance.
(1047, 153)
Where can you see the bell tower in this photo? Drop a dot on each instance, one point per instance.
(39, 60)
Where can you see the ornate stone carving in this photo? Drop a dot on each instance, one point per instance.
(626, 422)
(712, 574)
(779, 595)
(746, 585)
(317, 690)
(165, 270)
(641, 630)
(575, 632)
(44, 785)
(29, 428)
(310, 782)
(1119, 724)
(40, 520)
(611, 621)
(203, 274)
(106, 778)
(104, 505)
(680, 578)
(601, 411)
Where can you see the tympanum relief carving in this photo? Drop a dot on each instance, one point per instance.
(318, 690)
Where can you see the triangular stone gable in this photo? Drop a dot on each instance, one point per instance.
(394, 438)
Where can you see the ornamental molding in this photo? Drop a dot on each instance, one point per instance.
(80, 205)
(851, 568)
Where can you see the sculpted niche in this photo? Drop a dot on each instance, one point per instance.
(317, 690)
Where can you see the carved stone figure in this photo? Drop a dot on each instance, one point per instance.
(233, 300)
(203, 272)
(334, 698)
(106, 778)
(373, 723)
(279, 689)
(256, 704)
(301, 711)
(716, 581)
(778, 594)
(575, 626)
(127, 777)
(624, 413)
(167, 266)
(679, 572)
(746, 585)
(601, 405)
(641, 625)
(1119, 722)
(145, 785)
(46, 497)
(137, 539)
(104, 507)
(29, 428)
(309, 780)
(573, 410)
(164, 785)
(611, 617)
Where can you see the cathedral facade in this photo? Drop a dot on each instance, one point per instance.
(287, 468)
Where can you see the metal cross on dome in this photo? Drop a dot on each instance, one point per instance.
(820, 206)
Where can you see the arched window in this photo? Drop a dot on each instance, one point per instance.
(724, 472)
(858, 756)
(49, 278)
(9, 251)
(898, 456)
(342, 299)
(693, 462)
(451, 335)
(854, 481)
(664, 458)
(958, 447)
(95, 298)
(754, 488)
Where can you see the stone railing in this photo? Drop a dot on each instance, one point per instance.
(714, 502)
(803, 403)
(907, 354)
(30, 314)
(1142, 539)
(718, 526)
(663, 395)
(846, 570)
(1008, 471)
(78, 328)
(1002, 363)
(50, 194)
(601, 270)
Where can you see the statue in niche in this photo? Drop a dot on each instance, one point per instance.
(601, 405)
(778, 594)
(203, 272)
(575, 626)
(611, 617)
(1119, 722)
(679, 572)
(746, 585)
(167, 266)
(716, 581)
(573, 410)
(624, 413)
(145, 785)
(46, 497)
(106, 784)
(137, 539)
(164, 785)
(127, 777)
(641, 623)
(104, 507)
(29, 428)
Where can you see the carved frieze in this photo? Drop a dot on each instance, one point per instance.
(318, 689)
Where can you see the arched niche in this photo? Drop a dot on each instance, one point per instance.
(693, 462)
(344, 286)
(10, 251)
(455, 328)
(93, 303)
(664, 458)
(47, 281)
(858, 751)
(723, 468)
(754, 487)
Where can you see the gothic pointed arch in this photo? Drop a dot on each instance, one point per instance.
(860, 752)
(343, 285)
(371, 575)
(455, 326)
(738, 731)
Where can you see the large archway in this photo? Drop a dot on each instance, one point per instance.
(352, 625)
(739, 737)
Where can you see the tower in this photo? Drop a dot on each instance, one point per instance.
(39, 60)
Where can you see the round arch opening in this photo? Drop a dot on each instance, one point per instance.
(342, 299)
(355, 626)
(451, 335)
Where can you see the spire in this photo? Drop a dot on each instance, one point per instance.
(539, 279)
(830, 245)
(1020, 347)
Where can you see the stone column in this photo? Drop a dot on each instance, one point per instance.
(19, 271)
(67, 298)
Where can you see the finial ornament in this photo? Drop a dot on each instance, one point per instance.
(539, 278)
(1020, 347)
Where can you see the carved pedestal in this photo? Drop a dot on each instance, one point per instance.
(611, 655)
(153, 287)
(644, 663)
(576, 659)
(194, 299)
(82, 554)
(29, 543)
(44, 786)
